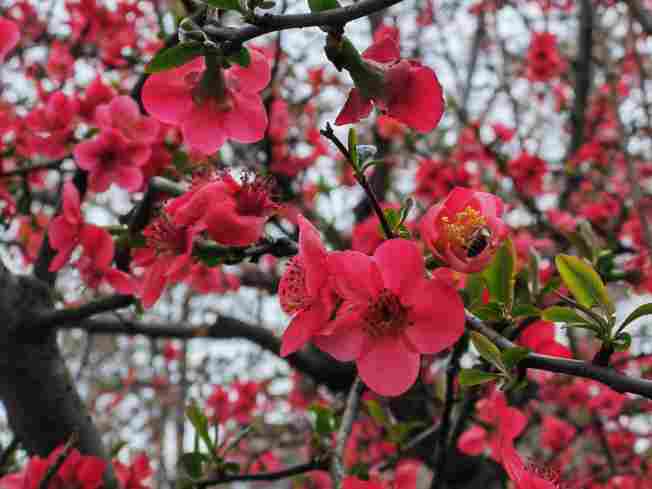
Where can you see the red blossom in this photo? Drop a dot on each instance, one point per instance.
(9, 37)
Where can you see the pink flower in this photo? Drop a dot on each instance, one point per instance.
(64, 231)
(494, 412)
(123, 114)
(527, 171)
(390, 315)
(133, 476)
(167, 258)
(232, 213)
(52, 125)
(524, 477)
(109, 158)
(403, 89)
(305, 290)
(543, 59)
(465, 229)
(540, 338)
(207, 120)
(79, 471)
(95, 263)
(9, 37)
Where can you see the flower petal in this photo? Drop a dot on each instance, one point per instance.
(401, 265)
(390, 367)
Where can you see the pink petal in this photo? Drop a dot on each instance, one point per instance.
(254, 77)
(473, 441)
(356, 275)
(232, 229)
(122, 282)
(302, 327)
(153, 283)
(9, 37)
(419, 103)
(401, 265)
(129, 178)
(313, 256)
(168, 96)
(390, 367)
(98, 245)
(437, 314)
(345, 339)
(246, 122)
(356, 107)
(204, 128)
(385, 50)
(71, 204)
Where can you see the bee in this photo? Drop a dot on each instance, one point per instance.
(478, 242)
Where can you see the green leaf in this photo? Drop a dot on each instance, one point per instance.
(622, 342)
(377, 412)
(224, 4)
(353, 147)
(553, 284)
(242, 57)
(173, 57)
(511, 356)
(115, 449)
(398, 433)
(489, 312)
(320, 5)
(526, 310)
(562, 314)
(583, 281)
(639, 312)
(192, 463)
(474, 287)
(487, 350)
(471, 376)
(500, 275)
(325, 422)
(200, 422)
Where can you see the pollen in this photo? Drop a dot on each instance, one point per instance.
(460, 232)
(385, 315)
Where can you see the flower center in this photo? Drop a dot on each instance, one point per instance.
(468, 231)
(385, 315)
(164, 237)
(254, 196)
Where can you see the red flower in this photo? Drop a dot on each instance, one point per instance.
(540, 338)
(543, 60)
(388, 316)
(556, 434)
(64, 231)
(524, 477)
(208, 120)
(123, 115)
(133, 476)
(232, 213)
(52, 125)
(507, 423)
(528, 171)
(305, 290)
(465, 230)
(404, 89)
(9, 37)
(78, 471)
(109, 158)
(95, 263)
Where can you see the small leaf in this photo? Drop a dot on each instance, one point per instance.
(487, 350)
(639, 312)
(325, 422)
(471, 376)
(224, 4)
(489, 312)
(622, 342)
(583, 281)
(474, 287)
(511, 356)
(200, 422)
(377, 412)
(525, 310)
(320, 5)
(398, 433)
(174, 57)
(500, 275)
(562, 314)
(192, 463)
(242, 57)
(553, 284)
(353, 147)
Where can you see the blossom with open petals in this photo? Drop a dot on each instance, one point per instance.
(64, 231)
(390, 314)
(465, 229)
(305, 289)
(9, 37)
(207, 120)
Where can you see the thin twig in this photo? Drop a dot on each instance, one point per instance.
(350, 412)
(265, 476)
(61, 458)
